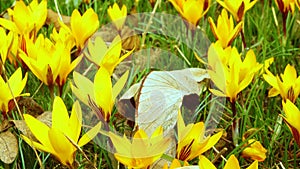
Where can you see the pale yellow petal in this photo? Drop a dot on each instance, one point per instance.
(87, 137)
(204, 163)
(119, 85)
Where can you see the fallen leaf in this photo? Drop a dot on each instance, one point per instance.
(8, 147)
(4, 125)
(30, 106)
(130, 40)
(161, 95)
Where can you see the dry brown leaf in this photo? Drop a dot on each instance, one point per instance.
(4, 125)
(46, 118)
(130, 39)
(8, 147)
(30, 106)
(52, 17)
(21, 125)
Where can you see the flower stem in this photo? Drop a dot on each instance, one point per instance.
(235, 125)
(243, 39)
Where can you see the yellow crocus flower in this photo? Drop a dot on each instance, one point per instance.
(231, 75)
(225, 31)
(142, 151)
(191, 140)
(67, 66)
(232, 163)
(106, 57)
(286, 6)
(254, 150)
(237, 8)
(82, 26)
(62, 139)
(100, 93)
(291, 118)
(43, 58)
(191, 10)
(6, 41)
(117, 15)
(26, 19)
(287, 84)
(64, 36)
(15, 84)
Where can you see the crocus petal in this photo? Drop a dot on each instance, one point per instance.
(103, 91)
(122, 144)
(38, 129)
(96, 51)
(292, 114)
(254, 165)
(75, 122)
(63, 147)
(87, 137)
(232, 162)
(60, 116)
(84, 88)
(204, 163)
(255, 151)
(212, 141)
(37, 145)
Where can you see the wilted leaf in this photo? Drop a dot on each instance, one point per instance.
(8, 147)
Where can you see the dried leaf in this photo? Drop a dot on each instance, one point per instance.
(161, 96)
(53, 17)
(21, 125)
(8, 147)
(130, 39)
(46, 118)
(31, 107)
(4, 125)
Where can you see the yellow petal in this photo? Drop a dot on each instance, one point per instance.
(255, 151)
(16, 83)
(103, 91)
(254, 165)
(212, 141)
(39, 130)
(292, 114)
(119, 85)
(75, 122)
(122, 144)
(84, 88)
(63, 147)
(96, 51)
(60, 116)
(204, 163)
(89, 135)
(37, 145)
(213, 28)
(232, 163)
